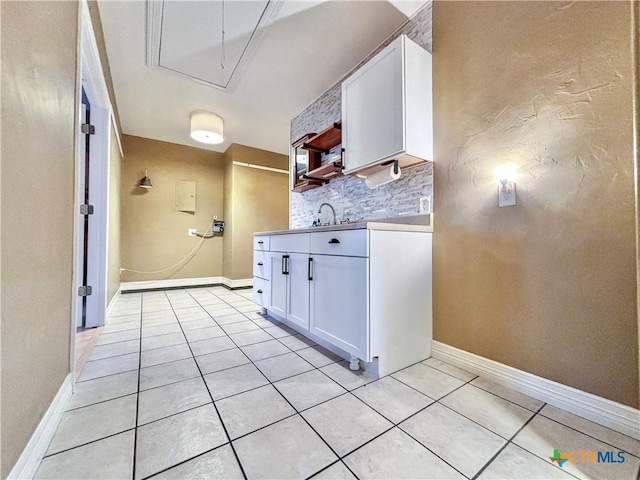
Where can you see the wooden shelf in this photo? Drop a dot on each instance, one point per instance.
(306, 185)
(326, 172)
(326, 139)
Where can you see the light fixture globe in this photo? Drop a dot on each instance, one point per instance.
(206, 127)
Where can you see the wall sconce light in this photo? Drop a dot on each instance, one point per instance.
(206, 127)
(506, 179)
(145, 182)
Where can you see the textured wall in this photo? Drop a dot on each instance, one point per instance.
(113, 253)
(154, 233)
(38, 112)
(547, 286)
(229, 201)
(255, 200)
(349, 195)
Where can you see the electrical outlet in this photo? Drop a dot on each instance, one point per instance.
(425, 205)
(192, 232)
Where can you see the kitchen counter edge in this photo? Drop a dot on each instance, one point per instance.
(398, 227)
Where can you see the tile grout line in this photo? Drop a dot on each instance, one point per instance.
(101, 401)
(299, 412)
(501, 449)
(504, 398)
(397, 425)
(589, 435)
(135, 433)
(111, 435)
(110, 374)
(296, 412)
(185, 461)
(224, 427)
(413, 388)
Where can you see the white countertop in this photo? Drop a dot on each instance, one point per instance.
(414, 223)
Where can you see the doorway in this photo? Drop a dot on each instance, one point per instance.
(86, 132)
(91, 203)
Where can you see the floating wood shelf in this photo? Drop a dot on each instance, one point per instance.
(326, 139)
(316, 144)
(326, 172)
(306, 185)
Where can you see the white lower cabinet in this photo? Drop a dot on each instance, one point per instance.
(365, 291)
(277, 302)
(339, 302)
(290, 287)
(261, 291)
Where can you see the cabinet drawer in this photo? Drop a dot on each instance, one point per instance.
(261, 291)
(351, 243)
(261, 265)
(292, 242)
(261, 242)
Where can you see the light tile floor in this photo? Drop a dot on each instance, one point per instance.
(196, 384)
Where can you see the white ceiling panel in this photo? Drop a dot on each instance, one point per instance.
(306, 48)
(186, 37)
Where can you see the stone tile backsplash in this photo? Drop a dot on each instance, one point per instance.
(349, 195)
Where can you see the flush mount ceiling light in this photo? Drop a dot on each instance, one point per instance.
(206, 127)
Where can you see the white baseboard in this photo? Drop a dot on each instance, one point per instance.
(241, 283)
(29, 461)
(616, 416)
(185, 283)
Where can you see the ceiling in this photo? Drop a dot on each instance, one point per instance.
(278, 58)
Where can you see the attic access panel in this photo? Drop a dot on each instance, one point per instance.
(185, 37)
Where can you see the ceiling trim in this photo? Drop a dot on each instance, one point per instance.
(154, 10)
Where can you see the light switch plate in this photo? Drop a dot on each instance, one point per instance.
(507, 195)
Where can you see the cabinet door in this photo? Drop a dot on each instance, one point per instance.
(278, 295)
(298, 301)
(373, 111)
(339, 303)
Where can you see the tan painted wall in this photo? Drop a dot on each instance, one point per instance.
(153, 232)
(635, 55)
(227, 269)
(38, 95)
(547, 286)
(257, 200)
(113, 253)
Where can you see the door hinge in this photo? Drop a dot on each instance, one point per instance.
(86, 209)
(88, 129)
(84, 291)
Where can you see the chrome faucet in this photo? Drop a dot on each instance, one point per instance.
(332, 209)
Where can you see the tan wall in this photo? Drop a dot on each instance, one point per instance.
(547, 286)
(227, 269)
(113, 253)
(636, 148)
(38, 96)
(153, 232)
(258, 200)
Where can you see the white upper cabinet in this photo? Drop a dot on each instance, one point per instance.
(387, 109)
